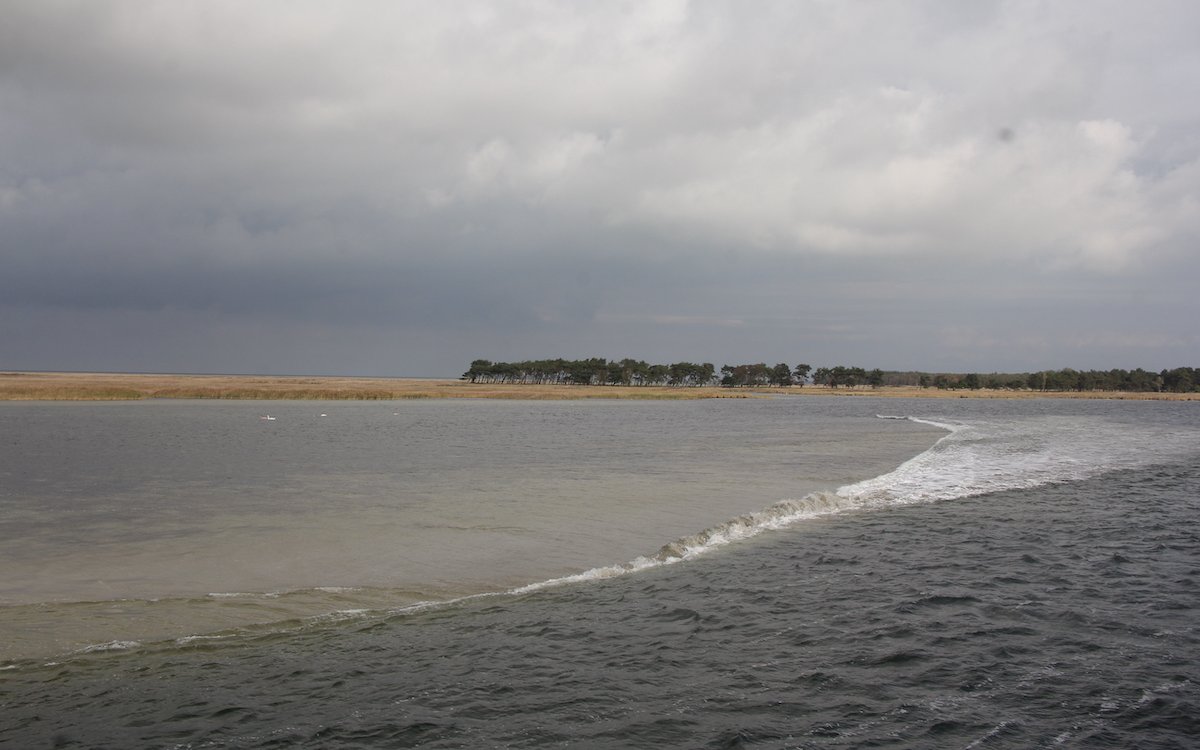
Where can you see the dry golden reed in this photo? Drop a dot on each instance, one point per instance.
(56, 386)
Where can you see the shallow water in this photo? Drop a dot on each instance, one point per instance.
(147, 520)
(1030, 581)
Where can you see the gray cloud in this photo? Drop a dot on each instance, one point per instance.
(218, 186)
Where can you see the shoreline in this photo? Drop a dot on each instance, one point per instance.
(73, 386)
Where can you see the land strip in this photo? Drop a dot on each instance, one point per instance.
(70, 386)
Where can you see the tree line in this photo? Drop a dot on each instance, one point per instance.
(600, 371)
(595, 371)
(1176, 380)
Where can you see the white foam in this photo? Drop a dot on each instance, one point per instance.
(110, 646)
(185, 640)
(990, 734)
(777, 516)
(985, 457)
(243, 595)
(972, 459)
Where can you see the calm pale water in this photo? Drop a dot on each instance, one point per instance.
(783, 573)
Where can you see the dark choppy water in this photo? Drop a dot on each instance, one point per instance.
(1031, 581)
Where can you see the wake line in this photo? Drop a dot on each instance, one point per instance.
(777, 516)
(970, 460)
(943, 425)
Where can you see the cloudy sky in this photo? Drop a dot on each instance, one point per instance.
(397, 188)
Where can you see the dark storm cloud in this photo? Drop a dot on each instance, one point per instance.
(220, 185)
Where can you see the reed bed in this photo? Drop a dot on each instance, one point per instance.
(44, 386)
(114, 386)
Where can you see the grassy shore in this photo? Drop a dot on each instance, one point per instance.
(64, 386)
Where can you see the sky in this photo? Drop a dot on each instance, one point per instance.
(398, 188)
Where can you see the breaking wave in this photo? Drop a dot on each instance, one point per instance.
(970, 460)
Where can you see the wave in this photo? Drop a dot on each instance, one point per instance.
(969, 460)
(776, 516)
(984, 457)
(110, 646)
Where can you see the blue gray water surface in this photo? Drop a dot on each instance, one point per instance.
(1030, 581)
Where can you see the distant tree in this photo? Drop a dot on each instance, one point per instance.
(1140, 380)
(617, 375)
(479, 369)
(1180, 380)
(800, 373)
(690, 374)
(746, 375)
(781, 374)
(635, 371)
(841, 375)
(599, 371)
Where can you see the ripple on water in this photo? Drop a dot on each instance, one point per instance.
(930, 639)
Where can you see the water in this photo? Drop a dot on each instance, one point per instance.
(1027, 581)
(154, 520)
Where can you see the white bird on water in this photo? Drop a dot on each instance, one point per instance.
(267, 417)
